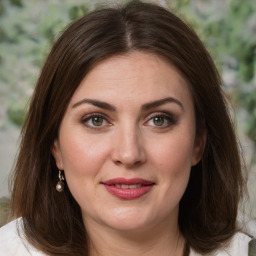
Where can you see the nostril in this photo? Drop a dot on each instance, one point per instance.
(128, 149)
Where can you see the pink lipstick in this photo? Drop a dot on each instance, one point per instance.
(128, 189)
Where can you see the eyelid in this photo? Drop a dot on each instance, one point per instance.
(171, 118)
(94, 114)
(87, 117)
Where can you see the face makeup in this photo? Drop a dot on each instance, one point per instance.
(127, 142)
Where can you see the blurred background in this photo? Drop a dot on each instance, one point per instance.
(28, 29)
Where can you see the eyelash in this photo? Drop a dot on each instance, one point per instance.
(85, 120)
(169, 120)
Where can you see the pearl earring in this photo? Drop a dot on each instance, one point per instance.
(60, 184)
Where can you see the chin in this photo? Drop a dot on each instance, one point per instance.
(130, 220)
(130, 227)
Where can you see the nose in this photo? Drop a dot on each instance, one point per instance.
(128, 147)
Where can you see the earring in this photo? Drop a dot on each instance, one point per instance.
(60, 184)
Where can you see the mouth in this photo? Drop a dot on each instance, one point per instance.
(128, 189)
(125, 186)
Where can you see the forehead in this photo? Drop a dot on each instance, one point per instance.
(134, 74)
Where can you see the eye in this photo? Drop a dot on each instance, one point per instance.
(158, 120)
(161, 120)
(95, 121)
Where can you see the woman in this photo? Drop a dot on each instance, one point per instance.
(128, 147)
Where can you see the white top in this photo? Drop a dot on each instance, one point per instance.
(237, 247)
(14, 244)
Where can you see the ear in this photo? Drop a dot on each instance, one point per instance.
(199, 146)
(55, 149)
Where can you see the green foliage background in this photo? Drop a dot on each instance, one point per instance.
(28, 28)
(228, 28)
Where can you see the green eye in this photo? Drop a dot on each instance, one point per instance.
(161, 120)
(97, 121)
(158, 121)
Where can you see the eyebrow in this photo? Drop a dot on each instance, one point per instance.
(145, 107)
(161, 102)
(96, 103)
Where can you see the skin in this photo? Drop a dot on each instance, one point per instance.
(130, 139)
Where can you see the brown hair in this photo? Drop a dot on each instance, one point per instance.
(208, 209)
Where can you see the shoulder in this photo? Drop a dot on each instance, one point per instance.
(238, 246)
(13, 241)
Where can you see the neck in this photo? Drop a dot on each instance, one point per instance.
(148, 242)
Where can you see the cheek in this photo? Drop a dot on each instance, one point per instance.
(82, 161)
(83, 154)
(174, 153)
(173, 159)
(83, 158)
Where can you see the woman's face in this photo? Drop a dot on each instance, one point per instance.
(127, 142)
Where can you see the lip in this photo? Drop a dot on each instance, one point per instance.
(113, 186)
